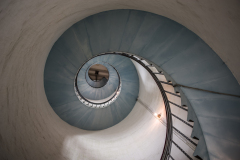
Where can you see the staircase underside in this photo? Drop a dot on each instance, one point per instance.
(185, 59)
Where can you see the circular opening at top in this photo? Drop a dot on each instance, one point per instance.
(98, 72)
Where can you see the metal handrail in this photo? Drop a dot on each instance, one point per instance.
(168, 139)
(169, 131)
(93, 104)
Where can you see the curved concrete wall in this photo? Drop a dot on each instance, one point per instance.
(139, 136)
(30, 28)
(216, 22)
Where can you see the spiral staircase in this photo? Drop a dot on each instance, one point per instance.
(168, 96)
(184, 59)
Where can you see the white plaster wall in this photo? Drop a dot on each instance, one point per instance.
(36, 132)
(139, 136)
(29, 127)
(149, 93)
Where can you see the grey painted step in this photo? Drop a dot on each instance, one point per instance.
(61, 96)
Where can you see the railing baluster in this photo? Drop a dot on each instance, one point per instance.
(184, 136)
(182, 150)
(171, 157)
(166, 83)
(182, 120)
(173, 93)
(178, 106)
(158, 73)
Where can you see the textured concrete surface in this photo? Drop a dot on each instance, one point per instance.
(150, 97)
(216, 22)
(29, 127)
(138, 133)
